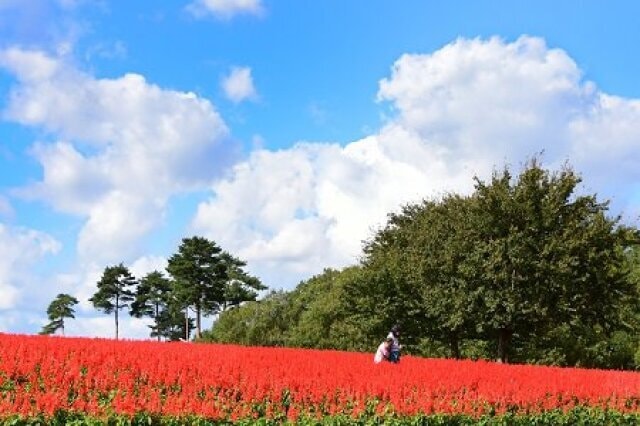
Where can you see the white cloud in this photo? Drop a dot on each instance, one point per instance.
(20, 249)
(238, 85)
(123, 147)
(459, 112)
(145, 264)
(225, 9)
(293, 212)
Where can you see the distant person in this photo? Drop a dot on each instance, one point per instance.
(383, 352)
(394, 350)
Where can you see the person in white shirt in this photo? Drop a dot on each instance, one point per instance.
(383, 351)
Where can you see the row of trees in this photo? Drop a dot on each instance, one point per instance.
(523, 269)
(202, 279)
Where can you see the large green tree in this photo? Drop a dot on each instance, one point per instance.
(547, 256)
(201, 275)
(115, 291)
(518, 258)
(59, 309)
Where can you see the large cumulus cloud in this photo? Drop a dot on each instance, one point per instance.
(120, 147)
(458, 112)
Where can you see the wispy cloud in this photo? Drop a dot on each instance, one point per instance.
(115, 50)
(225, 9)
(51, 25)
(238, 85)
(318, 113)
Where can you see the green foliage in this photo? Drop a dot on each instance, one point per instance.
(114, 291)
(262, 323)
(577, 416)
(316, 314)
(321, 313)
(59, 309)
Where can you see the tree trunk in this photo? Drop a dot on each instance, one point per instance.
(454, 344)
(155, 319)
(186, 324)
(504, 341)
(116, 310)
(62, 326)
(198, 321)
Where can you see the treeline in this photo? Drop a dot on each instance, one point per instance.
(202, 279)
(522, 270)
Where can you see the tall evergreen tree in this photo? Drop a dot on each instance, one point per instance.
(115, 291)
(59, 309)
(201, 274)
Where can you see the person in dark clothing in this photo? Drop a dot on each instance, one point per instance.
(394, 350)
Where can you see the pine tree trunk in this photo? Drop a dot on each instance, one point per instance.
(504, 341)
(454, 344)
(198, 321)
(186, 324)
(116, 311)
(155, 319)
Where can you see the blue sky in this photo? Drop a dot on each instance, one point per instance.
(285, 130)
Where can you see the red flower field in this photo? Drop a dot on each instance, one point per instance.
(41, 375)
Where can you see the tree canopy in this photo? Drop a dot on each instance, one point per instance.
(208, 279)
(59, 309)
(115, 291)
